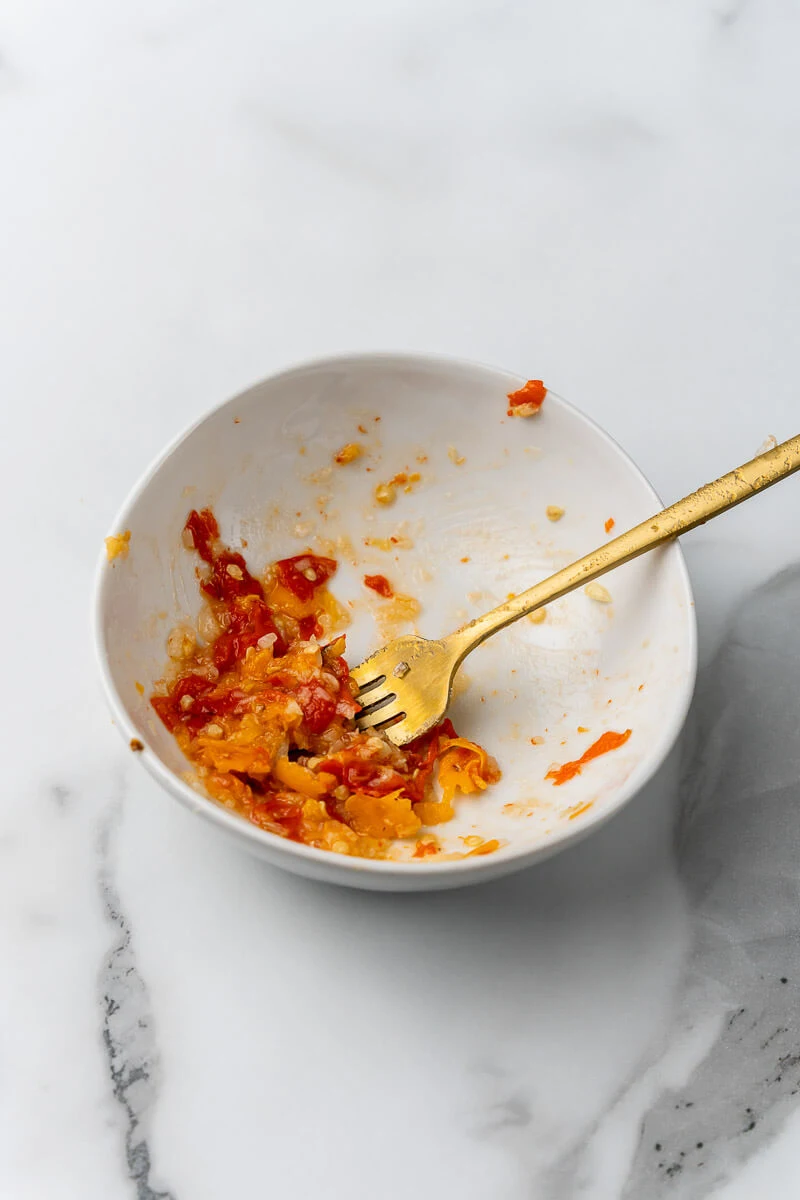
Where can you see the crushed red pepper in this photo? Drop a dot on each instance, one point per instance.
(379, 584)
(527, 400)
(304, 573)
(266, 714)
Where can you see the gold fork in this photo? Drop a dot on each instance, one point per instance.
(405, 687)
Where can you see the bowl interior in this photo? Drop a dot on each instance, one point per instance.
(472, 530)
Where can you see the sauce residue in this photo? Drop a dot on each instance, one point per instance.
(117, 545)
(386, 493)
(607, 741)
(379, 584)
(349, 453)
(527, 400)
(579, 810)
(265, 712)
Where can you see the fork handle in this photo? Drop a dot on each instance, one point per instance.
(707, 502)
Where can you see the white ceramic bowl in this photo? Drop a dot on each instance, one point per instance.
(589, 667)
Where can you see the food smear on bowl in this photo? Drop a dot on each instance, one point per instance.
(398, 541)
(379, 584)
(606, 742)
(118, 545)
(348, 453)
(595, 591)
(579, 809)
(386, 493)
(265, 712)
(396, 615)
(527, 400)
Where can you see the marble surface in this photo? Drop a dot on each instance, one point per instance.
(195, 194)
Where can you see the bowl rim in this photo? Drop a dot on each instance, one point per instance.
(271, 845)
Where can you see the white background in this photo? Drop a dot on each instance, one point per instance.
(192, 196)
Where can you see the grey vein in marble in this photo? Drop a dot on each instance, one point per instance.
(61, 796)
(738, 851)
(128, 1035)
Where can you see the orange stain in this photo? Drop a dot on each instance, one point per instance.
(607, 741)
